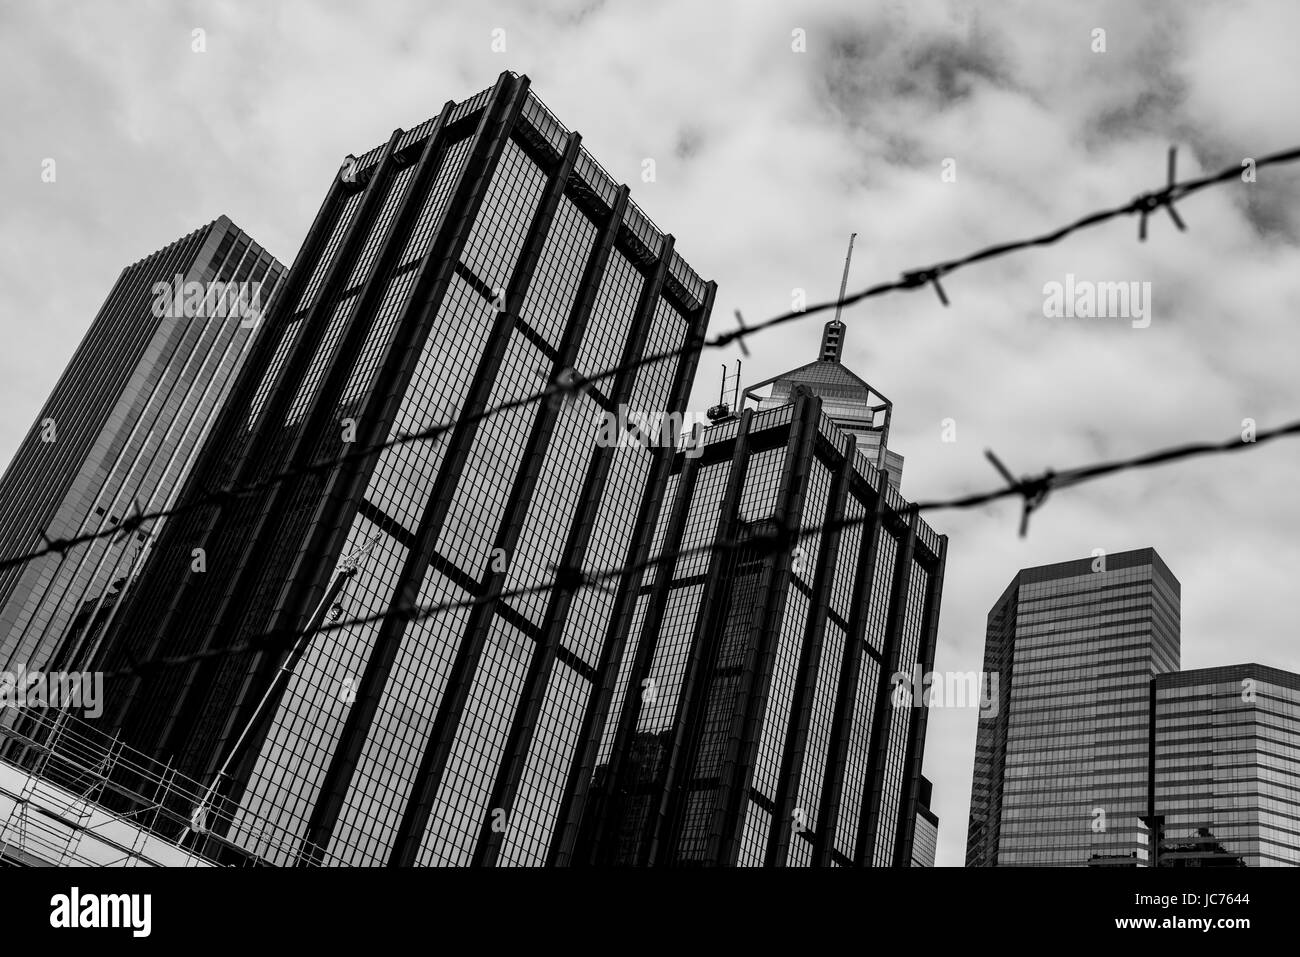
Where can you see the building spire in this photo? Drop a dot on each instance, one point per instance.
(832, 341)
(833, 331)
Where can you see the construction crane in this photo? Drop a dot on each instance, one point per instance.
(346, 569)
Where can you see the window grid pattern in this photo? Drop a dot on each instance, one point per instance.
(809, 793)
(584, 631)
(762, 483)
(594, 175)
(702, 520)
(722, 684)
(402, 495)
(555, 498)
(611, 317)
(776, 713)
(492, 248)
(554, 745)
(878, 609)
(461, 811)
(544, 122)
(861, 725)
(612, 533)
(321, 360)
(847, 558)
(554, 288)
(814, 516)
(900, 719)
(379, 231)
(288, 334)
(378, 338)
(479, 503)
(310, 714)
(621, 696)
(435, 203)
(404, 477)
(350, 206)
(390, 757)
(661, 691)
(753, 836)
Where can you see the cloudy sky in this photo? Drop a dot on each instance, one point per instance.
(766, 160)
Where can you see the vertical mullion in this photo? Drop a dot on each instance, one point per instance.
(573, 804)
(879, 750)
(437, 752)
(851, 673)
(916, 728)
(532, 696)
(805, 695)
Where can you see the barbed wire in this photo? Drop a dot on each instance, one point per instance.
(777, 539)
(569, 383)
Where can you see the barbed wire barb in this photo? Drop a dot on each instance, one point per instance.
(1143, 205)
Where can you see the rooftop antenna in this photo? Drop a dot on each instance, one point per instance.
(724, 409)
(833, 333)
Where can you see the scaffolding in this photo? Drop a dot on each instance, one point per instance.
(71, 795)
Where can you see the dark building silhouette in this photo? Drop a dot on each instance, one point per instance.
(1061, 763)
(753, 723)
(121, 431)
(466, 263)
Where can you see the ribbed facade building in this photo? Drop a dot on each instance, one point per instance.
(1225, 767)
(120, 433)
(466, 264)
(753, 722)
(1061, 762)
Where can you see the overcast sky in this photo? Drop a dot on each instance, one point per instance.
(766, 160)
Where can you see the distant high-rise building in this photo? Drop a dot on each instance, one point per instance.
(1061, 762)
(1225, 767)
(120, 432)
(465, 264)
(753, 721)
(925, 842)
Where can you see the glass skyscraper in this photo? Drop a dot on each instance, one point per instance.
(1061, 763)
(753, 722)
(925, 843)
(466, 263)
(121, 431)
(1225, 767)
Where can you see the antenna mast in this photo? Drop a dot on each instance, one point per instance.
(844, 282)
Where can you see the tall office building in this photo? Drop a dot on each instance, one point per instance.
(847, 400)
(1225, 767)
(753, 721)
(121, 431)
(1061, 762)
(925, 843)
(463, 265)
